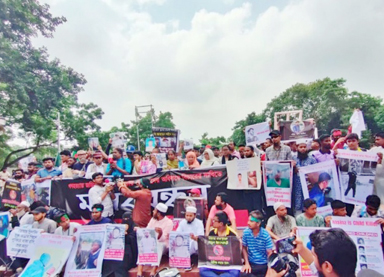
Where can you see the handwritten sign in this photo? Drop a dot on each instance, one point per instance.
(21, 242)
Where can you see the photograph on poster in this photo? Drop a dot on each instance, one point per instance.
(88, 250)
(278, 175)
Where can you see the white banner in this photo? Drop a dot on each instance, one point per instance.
(115, 244)
(320, 182)
(50, 255)
(257, 133)
(179, 250)
(278, 182)
(357, 175)
(147, 246)
(244, 173)
(21, 242)
(366, 234)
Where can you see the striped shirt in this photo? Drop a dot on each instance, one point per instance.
(257, 246)
(284, 153)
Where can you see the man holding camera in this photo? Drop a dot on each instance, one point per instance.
(100, 194)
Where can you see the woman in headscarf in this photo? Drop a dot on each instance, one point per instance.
(172, 162)
(191, 160)
(209, 158)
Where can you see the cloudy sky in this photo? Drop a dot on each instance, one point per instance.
(212, 62)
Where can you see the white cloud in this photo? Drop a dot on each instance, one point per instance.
(222, 68)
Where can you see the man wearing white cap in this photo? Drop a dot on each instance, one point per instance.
(163, 226)
(20, 215)
(192, 225)
(281, 224)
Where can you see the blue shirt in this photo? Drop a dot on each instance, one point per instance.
(257, 246)
(120, 163)
(42, 173)
(104, 220)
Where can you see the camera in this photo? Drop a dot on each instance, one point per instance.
(284, 261)
(285, 245)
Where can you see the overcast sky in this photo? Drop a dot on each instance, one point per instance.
(212, 62)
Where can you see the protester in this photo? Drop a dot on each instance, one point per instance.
(64, 156)
(4, 176)
(163, 226)
(193, 226)
(216, 152)
(48, 172)
(241, 151)
(371, 209)
(69, 172)
(142, 210)
(310, 218)
(137, 159)
(315, 145)
(379, 178)
(227, 156)
(281, 224)
(130, 250)
(257, 246)
(221, 204)
(19, 175)
(352, 141)
(277, 151)
(324, 153)
(21, 215)
(336, 134)
(232, 150)
(253, 198)
(302, 159)
(97, 166)
(97, 218)
(191, 160)
(102, 194)
(338, 209)
(119, 166)
(209, 159)
(82, 165)
(66, 227)
(172, 161)
(41, 222)
(32, 170)
(220, 229)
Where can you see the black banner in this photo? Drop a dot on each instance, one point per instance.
(297, 129)
(219, 252)
(72, 194)
(11, 194)
(166, 139)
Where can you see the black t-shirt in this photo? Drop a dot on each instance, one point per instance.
(81, 167)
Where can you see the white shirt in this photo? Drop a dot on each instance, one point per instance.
(196, 227)
(93, 168)
(148, 245)
(26, 219)
(70, 231)
(94, 195)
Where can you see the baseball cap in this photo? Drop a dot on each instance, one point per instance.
(195, 191)
(274, 132)
(39, 210)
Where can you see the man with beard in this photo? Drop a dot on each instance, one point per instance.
(267, 143)
(241, 151)
(321, 189)
(80, 168)
(163, 226)
(32, 169)
(193, 226)
(280, 225)
(277, 181)
(302, 159)
(278, 151)
(48, 172)
(21, 215)
(325, 153)
(232, 150)
(220, 205)
(19, 175)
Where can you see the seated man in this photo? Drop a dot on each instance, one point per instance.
(97, 218)
(338, 209)
(310, 218)
(66, 227)
(370, 210)
(48, 225)
(221, 204)
(257, 246)
(221, 229)
(21, 215)
(163, 226)
(281, 224)
(192, 225)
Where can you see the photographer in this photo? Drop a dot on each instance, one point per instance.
(334, 254)
(102, 194)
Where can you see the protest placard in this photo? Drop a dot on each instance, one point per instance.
(222, 253)
(161, 160)
(357, 175)
(366, 234)
(320, 182)
(278, 182)
(296, 129)
(49, 256)
(21, 242)
(188, 144)
(303, 233)
(4, 225)
(11, 194)
(179, 250)
(93, 143)
(257, 133)
(32, 191)
(86, 257)
(166, 139)
(150, 143)
(147, 246)
(244, 173)
(182, 202)
(118, 139)
(114, 249)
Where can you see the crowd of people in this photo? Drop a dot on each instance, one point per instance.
(264, 227)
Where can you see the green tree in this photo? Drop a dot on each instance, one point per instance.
(217, 141)
(33, 87)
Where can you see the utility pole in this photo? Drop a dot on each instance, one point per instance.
(57, 122)
(143, 110)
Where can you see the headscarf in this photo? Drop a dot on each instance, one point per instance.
(212, 160)
(195, 163)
